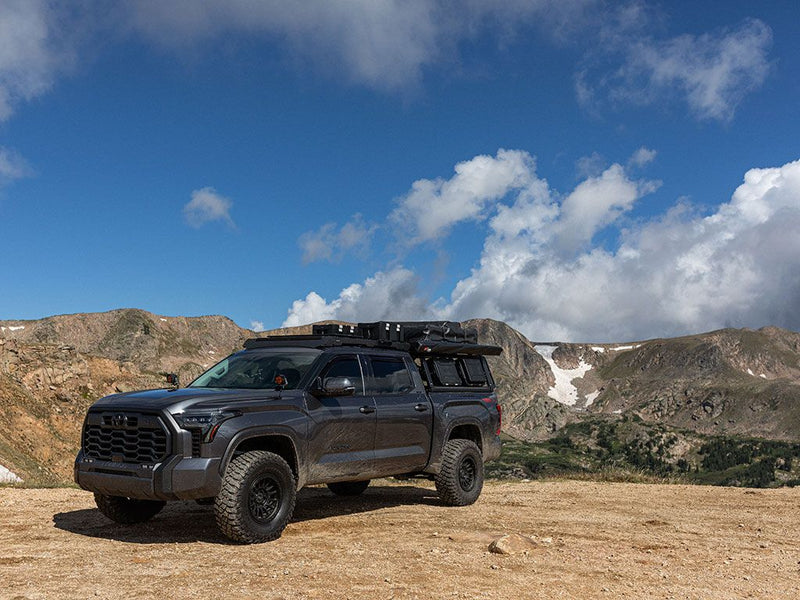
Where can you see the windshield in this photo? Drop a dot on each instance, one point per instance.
(256, 370)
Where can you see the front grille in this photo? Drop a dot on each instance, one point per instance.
(125, 437)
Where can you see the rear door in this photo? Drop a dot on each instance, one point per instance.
(342, 428)
(405, 419)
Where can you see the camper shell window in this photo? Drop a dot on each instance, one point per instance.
(455, 372)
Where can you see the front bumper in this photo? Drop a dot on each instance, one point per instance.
(176, 478)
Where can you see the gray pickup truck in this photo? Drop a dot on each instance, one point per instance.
(340, 407)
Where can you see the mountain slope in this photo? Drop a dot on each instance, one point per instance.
(728, 382)
(52, 369)
(732, 381)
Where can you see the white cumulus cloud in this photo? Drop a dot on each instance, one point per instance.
(677, 273)
(596, 203)
(257, 326)
(207, 206)
(392, 294)
(432, 206)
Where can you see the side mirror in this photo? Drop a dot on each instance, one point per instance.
(335, 386)
(172, 379)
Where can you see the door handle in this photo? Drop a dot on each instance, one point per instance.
(365, 410)
(421, 407)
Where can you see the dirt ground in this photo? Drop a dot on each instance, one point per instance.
(593, 540)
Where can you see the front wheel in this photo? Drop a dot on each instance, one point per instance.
(257, 498)
(460, 479)
(127, 511)
(349, 488)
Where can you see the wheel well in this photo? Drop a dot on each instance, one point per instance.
(277, 444)
(467, 432)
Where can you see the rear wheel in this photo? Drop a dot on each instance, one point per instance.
(349, 488)
(257, 498)
(128, 511)
(460, 479)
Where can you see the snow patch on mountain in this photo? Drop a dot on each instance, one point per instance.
(7, 476)
(602, 349)
(563, 391)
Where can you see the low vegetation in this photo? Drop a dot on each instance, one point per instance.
(628, 449)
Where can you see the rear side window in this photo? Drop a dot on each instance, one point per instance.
(474, 372)
(391, 376)
(461, 371)
(445, 372)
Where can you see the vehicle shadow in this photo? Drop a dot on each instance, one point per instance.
(319, 503)
(188, 522)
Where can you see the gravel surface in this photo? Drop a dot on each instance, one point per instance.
(590, 540)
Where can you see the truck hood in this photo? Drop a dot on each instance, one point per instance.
(186, 398)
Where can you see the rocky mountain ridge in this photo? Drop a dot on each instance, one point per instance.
(732, 382)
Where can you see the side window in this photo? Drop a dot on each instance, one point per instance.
(445, 372)
(461, 371)
(391, 376)
(474, 371)
(346, 367)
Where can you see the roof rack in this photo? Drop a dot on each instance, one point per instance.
(420, 338)
(320, 341)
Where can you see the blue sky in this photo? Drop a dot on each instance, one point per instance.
(577, 169)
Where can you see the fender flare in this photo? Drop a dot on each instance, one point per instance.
(463, 421)
(273, 431)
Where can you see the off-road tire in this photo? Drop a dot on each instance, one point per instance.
(127, 511)
(349, 488)
(257, 498)
(460, 479)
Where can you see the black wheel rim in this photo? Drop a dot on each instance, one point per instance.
(466, 474)
(264, 499)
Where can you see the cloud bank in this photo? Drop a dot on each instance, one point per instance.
(542, 271)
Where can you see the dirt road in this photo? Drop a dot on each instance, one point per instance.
(594, 540)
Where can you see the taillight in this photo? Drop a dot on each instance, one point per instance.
(499, 418)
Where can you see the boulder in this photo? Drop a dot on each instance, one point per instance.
(512, 543)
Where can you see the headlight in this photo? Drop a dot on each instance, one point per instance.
(206, 422)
